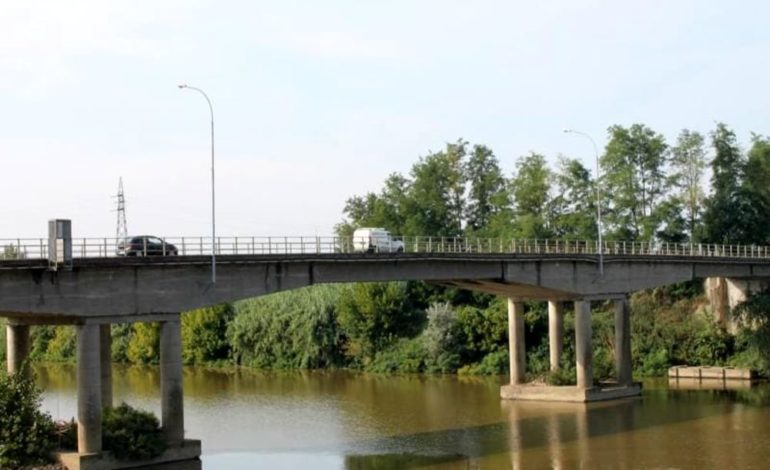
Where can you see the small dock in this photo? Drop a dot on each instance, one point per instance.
(711, 373)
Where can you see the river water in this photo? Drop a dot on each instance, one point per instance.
(341, 420)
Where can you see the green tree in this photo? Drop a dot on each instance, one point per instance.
(374, 315)
(574, 206)
(204, 334)
(688, 159)
(724, 217)
(144, 343)
(288, 330)
(634, 175)
(531, 197)
(756, 187)
(387, 209)
(26, 433)
(435, 198)
(487, 192)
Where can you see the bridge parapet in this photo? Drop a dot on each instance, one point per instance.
(37, 248)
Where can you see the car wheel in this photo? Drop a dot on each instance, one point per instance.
(400, 249)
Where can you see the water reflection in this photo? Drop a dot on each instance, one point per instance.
(340, 420)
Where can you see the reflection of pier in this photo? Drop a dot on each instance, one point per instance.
(566, 429)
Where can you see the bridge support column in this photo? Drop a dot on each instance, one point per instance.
(516, 341)
(17, 347)
(105, 357)
(555, 332)
(583, 349)
(623, 370)
(172, 401)
(89, 389)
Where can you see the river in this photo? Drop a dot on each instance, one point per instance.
(342, 420)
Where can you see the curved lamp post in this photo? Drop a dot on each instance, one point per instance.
(213, 206)
(598, 199)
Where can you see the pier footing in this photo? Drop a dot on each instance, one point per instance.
(539, 392)
(185, 456)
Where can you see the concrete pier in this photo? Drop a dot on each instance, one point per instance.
(583, 349)
(89, 389)
(105, 357)
(555, 332)
(171, 401)
(516, 341)
(17, 347)
(623, 368)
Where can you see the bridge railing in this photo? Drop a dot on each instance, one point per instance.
(37, 248)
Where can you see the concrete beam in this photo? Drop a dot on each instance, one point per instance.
(17, 347)
(172, 395)
(516, 341)
(89, 389)
(555, 332)
(117, 286)
(583, 348)
(623, 367)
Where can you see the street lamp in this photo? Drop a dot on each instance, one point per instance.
(598, 199)
(213, 211)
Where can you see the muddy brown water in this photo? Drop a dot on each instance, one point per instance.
(342, 420)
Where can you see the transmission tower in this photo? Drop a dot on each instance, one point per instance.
(122, 231)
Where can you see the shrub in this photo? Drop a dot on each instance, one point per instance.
(144, 343)
(482, 331)
(26, 433)
(494, 363)
(374, 316)
(288, 330)
(406, 356)
(131, 434)
(204, 332)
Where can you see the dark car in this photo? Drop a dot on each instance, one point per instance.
(145, 245)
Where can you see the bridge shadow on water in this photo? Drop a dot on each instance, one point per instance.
(548, 427)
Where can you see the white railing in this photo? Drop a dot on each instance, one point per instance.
(37, 248)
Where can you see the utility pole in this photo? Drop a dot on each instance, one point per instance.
(121, 233)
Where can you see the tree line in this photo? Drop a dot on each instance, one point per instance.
(648, 189)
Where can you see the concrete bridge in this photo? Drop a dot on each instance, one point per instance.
(92, 292)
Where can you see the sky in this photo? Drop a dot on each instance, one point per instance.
(315, 102)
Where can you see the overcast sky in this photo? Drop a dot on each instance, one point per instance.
(317, 101)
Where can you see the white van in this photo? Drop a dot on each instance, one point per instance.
(376, 240)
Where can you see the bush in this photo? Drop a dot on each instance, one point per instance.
(204, 334)
(406, 356)
(27, 434)
(482, 331)
(288, 330)
(374, 316)
(494, 363)
(131, 434)
(144, 343)
(441, 339)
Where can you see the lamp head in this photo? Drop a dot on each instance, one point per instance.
(567, 130)
(184, 85)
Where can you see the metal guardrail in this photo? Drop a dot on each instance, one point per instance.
(37, 248)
